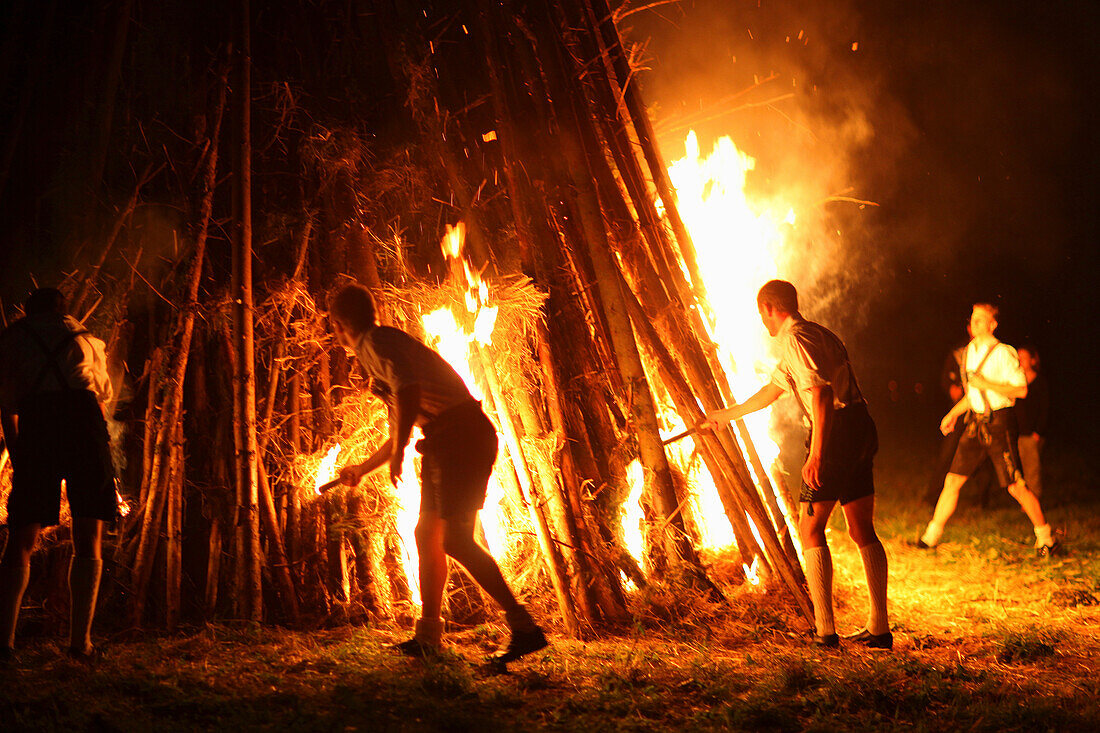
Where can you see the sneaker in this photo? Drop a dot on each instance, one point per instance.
(520, 644)
(872, 641)
(828, 641)
(1046, 551)
(416, 648)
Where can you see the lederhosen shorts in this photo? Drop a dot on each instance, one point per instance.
(993, 434)
(847, 459)
(458, 449)
(62, 435)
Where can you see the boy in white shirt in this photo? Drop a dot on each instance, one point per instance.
(994, 381)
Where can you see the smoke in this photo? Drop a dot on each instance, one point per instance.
(790, 84)
(967, 126)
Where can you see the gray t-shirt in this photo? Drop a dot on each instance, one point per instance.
(393, 359)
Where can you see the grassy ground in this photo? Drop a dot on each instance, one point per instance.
(987, 638)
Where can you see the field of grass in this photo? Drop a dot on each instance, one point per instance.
(987, 637)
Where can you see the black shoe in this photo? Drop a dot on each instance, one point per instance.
(872, 641)
(416, 648)
(520, 644)
(1046, 551)
(922, 545)
(7, 656)
(828, 641)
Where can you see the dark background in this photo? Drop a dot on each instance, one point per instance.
(979, 145)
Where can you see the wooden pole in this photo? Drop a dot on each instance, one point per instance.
(172, 408)
(551, 553)
(244, 338)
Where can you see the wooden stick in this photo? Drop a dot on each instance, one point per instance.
(680, 436)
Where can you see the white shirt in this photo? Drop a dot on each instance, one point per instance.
(1002, 367)
(811, 355)
(393, 359)
(27, 369)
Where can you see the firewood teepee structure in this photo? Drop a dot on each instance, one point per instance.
(523, 120)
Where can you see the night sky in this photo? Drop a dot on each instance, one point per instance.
(981, 151)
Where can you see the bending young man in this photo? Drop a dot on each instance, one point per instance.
(53, 388)
(814, 368)
(994, 381)
(459, 448)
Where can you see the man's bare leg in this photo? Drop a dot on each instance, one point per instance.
(85, 570)
(15, 573)
(945, 507)
(1034, 511)
(433, 577)
(459, 542)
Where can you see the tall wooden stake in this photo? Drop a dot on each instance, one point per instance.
(248, 494)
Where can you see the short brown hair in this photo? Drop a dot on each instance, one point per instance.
(989, 308)
(353, 306)
(780, 295)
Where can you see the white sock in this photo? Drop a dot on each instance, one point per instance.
(932, 534)
(12, 586)
(874, 566)
(819, 578)
(84, 574)
(1042, 536)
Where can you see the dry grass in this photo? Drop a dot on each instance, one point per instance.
(987, 638)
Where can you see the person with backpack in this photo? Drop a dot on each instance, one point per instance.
(53, 391)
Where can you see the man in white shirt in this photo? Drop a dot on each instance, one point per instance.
(53, 391)
(815, 369)
(994, 381)
(459, 447)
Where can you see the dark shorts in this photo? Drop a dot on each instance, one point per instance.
(62, 435)
(459, 449)
(847, 461)
(995, 437)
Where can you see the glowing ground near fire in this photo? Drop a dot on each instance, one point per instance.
(987, 640)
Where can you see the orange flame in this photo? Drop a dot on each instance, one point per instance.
(327, 470)
(454, 341)
(740, 244)
(123, 505)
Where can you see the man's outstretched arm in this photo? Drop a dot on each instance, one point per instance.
(768, 394)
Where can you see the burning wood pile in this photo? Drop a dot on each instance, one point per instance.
(570, 294)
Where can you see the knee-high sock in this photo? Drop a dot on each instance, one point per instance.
(12, 584)
(84, 574)
(819, 577)
(874, 566)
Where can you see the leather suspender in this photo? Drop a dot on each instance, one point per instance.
(52, 357)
